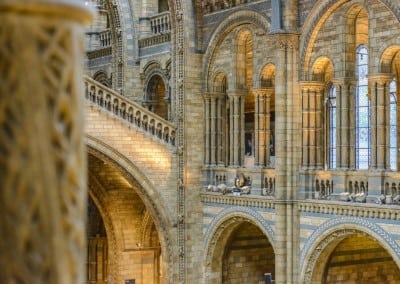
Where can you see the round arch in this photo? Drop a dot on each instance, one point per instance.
(146, 191)
(318, 15)
(226, 26)
(388, 55)
(266, 76)
(221, 228)
(329, 234)
(97, 194)
(322, 70)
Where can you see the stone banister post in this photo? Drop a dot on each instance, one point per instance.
(43, 194)
(380, 120)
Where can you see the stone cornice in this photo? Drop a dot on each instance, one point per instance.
(247, 201)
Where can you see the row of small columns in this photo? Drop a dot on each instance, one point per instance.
(313, 113)
(215, 111)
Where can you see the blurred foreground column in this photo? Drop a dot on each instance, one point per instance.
(42, 155)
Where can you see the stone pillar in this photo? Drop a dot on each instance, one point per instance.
(345, 133)
(43, 194)
(262, 126)
(220, 130)
(313, 134)
(236, 99)
(288, 159)
(213, 126)
(380, 120)
(207, 102)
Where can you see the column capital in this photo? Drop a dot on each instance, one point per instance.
(287, 41)
(210, 95)
(68, 9)
(344, 81)
(380, 78)
(263, 92)
(237, 92)
(312, 85)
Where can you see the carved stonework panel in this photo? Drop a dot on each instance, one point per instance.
(42, 166)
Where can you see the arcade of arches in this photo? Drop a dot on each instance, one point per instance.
(235, 141)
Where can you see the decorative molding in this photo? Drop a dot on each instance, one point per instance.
(341, 227)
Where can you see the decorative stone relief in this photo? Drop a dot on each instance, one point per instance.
(42, 161)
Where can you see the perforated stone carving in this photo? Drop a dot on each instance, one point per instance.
(42, 165)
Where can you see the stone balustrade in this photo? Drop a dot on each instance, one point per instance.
(380, 187)
(160, 23)
(105, 38)
(262, 181)
(244, 200)
(109, 100)
(349, 209)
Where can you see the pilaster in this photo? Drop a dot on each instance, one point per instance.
(288, 158)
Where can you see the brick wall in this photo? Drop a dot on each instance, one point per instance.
(359, 259)
(247, 256)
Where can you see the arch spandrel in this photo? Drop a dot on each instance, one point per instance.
(329, 234)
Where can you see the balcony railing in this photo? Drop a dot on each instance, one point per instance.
(351, 186)
(160, 23)
(240, 181)
(131, 112)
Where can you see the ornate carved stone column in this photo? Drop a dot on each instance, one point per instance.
(345, 140)
(42, 152)
(380, 120)
(312, 102)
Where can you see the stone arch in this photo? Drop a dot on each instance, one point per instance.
(229, 24)
(220, 229)
(156, 93)
(97, 193)
(318, 16)
(244, 59)
(219, 82)
(146, 192)
(387, 58)
(322, 70)
(266, 77)
(101, 77)
(330, 233)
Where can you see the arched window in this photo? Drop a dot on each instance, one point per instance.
(363, 145)
(393, 125)
(332, 126)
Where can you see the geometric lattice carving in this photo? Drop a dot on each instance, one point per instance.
(42, 166)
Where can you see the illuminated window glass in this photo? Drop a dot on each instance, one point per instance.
(332, 127)
(393, 125)
(363, 148)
